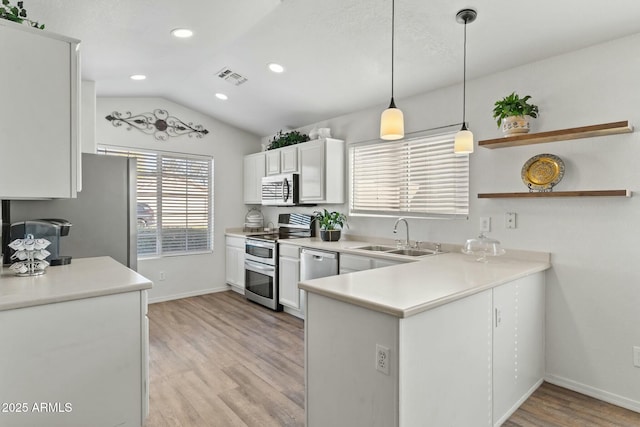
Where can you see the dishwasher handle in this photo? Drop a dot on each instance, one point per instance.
(319, 254)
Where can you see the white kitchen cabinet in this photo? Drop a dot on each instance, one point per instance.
(518, 343)
(39, 110)
(289, 159)
(439, 365)
(254, 170)
(282, 160)
(289, 275)
(351, 263)
(484, 352)
(235, 249)
(87, 358)
(273, 162)
(322, 171)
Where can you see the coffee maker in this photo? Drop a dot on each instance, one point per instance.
(51, 229)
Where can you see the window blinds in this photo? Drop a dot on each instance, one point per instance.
(174, 202)
(415, 177)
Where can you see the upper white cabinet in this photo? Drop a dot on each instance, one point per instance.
(39, 106)
(322, 170)
(282, 160)
(254, 170)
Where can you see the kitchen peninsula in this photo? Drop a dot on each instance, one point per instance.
(74, 346)
(412, 344)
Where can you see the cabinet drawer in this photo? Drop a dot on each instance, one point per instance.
(354, 262)
(235, 242)
(290, 251)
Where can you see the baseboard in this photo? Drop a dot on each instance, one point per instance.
(187, 294)
(614, 399)
(520, 401)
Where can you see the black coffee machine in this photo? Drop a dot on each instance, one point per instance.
(51, 229)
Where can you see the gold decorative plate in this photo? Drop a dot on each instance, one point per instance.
(542, 172)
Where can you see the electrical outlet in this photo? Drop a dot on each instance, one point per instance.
(382, 359)
(510, 220)
(636, 357)
(162, 276)
(485, 223)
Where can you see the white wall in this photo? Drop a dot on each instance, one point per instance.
(192, 274)
(593, 291)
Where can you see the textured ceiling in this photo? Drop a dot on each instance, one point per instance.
(336, 52)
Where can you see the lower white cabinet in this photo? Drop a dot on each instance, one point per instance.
(351, 263)
(75, 363)
(518, 340)
(234, 271)
(470, 362)
(288, 277)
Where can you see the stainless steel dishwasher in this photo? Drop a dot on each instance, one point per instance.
(315, 264)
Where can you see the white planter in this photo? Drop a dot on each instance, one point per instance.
(515, 125)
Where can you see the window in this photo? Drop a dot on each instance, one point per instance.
(174, 194)
(419, 177)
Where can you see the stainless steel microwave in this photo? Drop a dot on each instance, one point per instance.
(280, 190)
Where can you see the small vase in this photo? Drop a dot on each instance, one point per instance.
(330, 235)
(515, 125)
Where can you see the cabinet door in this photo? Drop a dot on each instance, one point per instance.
(379, 263)
(289, 160)
(312, 176)
(289, 277)
(240, 268)
(231, 265)
(518, 347)
(254, 170)
(273, 162)
(351, 263)
(39, 126)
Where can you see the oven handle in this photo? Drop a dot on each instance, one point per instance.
(260, 244)
(258, 268)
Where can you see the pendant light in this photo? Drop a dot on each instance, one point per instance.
(392, 119)
(463, 143)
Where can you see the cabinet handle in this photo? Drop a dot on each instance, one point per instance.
(497, 316)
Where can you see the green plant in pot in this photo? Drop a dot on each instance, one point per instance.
(511, 113)
(331, 224)
(287, 138)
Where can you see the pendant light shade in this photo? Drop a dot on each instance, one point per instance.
(392, 119)
(463, 143)
(392, 123)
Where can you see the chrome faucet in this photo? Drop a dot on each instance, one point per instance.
(395, 230)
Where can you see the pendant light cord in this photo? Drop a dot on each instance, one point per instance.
(393, 20)
(464, 78)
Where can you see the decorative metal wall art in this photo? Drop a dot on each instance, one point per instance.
(159, 124)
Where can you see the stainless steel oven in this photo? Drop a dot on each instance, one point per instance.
(261, 272)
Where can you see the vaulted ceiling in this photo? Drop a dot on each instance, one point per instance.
(336, 53)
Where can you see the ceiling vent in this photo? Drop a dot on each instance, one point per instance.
(231, 76)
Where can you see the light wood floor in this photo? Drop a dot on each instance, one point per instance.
(219, 360)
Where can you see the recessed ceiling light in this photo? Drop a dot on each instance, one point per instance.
(276, 68)
(182, 33)
(138, 77)
(222, 96)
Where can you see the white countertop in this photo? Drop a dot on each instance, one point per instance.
(407, 289)
(83, 278)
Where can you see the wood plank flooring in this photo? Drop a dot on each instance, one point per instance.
(219, 360)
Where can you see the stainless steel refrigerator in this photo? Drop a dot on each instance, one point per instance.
(103, 215)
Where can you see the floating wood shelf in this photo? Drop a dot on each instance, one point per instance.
(595, 193)
(559, 135)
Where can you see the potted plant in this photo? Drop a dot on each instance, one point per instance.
(331, 224)
(286, 139)
(512, 111)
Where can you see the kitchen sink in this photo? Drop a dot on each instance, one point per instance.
(376, 248)
(412, 252)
